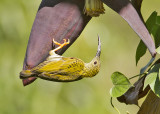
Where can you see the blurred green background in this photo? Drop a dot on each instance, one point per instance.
(87, 96)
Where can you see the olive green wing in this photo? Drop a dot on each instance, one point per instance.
(71, 66)
(48, 66)
(63, 66)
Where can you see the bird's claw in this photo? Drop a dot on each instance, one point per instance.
(66, 42)
(60, 45)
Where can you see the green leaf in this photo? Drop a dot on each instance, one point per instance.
(158, 20)
(152, 74)
(154, 29)
(158, 50)
(141, 50)
(121, 84)
(159, 73)
(151, 21)
(156, 35)
(150, 79)
(156, 86)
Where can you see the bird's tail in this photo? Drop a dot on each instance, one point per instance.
(26, 74)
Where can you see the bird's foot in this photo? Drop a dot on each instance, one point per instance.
(60, 46)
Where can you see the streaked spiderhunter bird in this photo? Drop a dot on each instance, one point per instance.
(64, 69)
(61, 19)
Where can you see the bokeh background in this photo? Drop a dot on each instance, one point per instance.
(87, 96)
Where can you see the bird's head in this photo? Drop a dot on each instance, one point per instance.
(96, 60)
(94, 66)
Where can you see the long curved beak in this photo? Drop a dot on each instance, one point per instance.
(99, 47)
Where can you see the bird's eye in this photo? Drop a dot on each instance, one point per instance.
(95, 62)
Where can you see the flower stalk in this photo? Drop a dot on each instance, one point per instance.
(93, 8)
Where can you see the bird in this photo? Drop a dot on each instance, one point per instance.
(64, 69)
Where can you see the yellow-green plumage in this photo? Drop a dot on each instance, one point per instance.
(64, 69)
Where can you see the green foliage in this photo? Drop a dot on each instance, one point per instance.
(157, 36)
(122, 87)
(156, 31)
(158, 50)
(121, 84)
(150, 23)
(152, 79)
(156, 87)
(153, 26)
(141, 50)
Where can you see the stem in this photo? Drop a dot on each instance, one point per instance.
(137, 76)
(114, 106)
